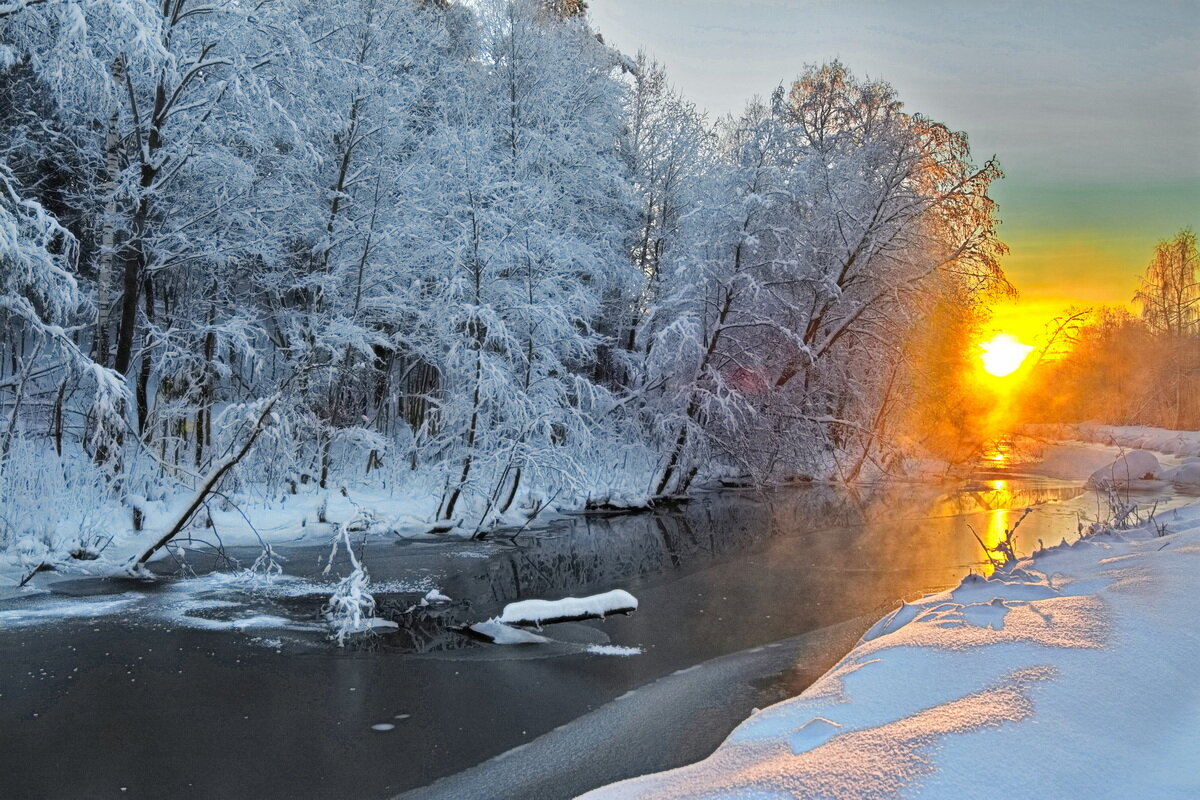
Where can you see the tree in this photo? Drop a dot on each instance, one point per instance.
(1170, 288)
(1170, 299)
(38, 297)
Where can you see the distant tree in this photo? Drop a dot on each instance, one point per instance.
(1170, 301)
(565, 8)
(1170, 288)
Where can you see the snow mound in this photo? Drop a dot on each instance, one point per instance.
(1127, 469)
(1186, 476)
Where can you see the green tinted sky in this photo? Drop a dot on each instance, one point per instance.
(1093, 108)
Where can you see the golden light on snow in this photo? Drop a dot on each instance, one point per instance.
(1003, 355)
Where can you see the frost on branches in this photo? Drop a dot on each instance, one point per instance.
(483, 261)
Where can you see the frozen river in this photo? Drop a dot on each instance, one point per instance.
(213, 687)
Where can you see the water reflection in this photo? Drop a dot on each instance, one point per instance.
(805, 540)
(778, 561)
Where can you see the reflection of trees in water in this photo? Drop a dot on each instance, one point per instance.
(593, 553)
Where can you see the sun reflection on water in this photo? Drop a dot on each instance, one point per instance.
(1000, 497)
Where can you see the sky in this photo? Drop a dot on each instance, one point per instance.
(1092, 109)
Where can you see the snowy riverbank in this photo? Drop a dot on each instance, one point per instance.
(1071, 674)
(1185, 444)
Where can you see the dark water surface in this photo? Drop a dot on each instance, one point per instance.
(114, 690)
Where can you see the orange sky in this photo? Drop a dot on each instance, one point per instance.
(1083, 245)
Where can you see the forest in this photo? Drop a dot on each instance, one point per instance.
(467, 255)
(1107, 364)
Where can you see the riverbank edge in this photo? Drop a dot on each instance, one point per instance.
(842, 737)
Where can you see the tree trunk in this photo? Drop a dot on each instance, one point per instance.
(112, 166)
(207, 485)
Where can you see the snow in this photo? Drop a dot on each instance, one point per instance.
(1070, 674)
(1127, 470)
(250, 520)
(613, 650)
(1075, 461)
(1130, 437)
(505, 629)
(1186, 476)
(1142, 437)
(1178, 459)
(534, 612)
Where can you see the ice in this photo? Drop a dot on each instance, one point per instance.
(434, 596)
(251, 622)
(500, 633)
(37, 615)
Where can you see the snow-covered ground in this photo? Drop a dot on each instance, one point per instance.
(1185, 444)
(1175, 460)
(1068, 675)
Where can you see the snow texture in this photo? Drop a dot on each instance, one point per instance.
(1072, 675)
(1127, 470)
(613, 650)
(535, 612)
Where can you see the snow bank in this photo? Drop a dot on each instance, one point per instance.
(1184, 445)
(1132, 437)
(1074, 461)
(535, 612)
(1072, 675)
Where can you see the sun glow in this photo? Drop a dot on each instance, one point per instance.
(1003, 355)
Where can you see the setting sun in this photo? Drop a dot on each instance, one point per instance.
(1003, 355)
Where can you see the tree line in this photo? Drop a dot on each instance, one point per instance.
(1123, 368)
(466, 250)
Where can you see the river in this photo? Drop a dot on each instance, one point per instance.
(208, 685)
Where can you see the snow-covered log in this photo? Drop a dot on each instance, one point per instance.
(568, 609)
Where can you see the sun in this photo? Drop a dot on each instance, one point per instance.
(1003, 355)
